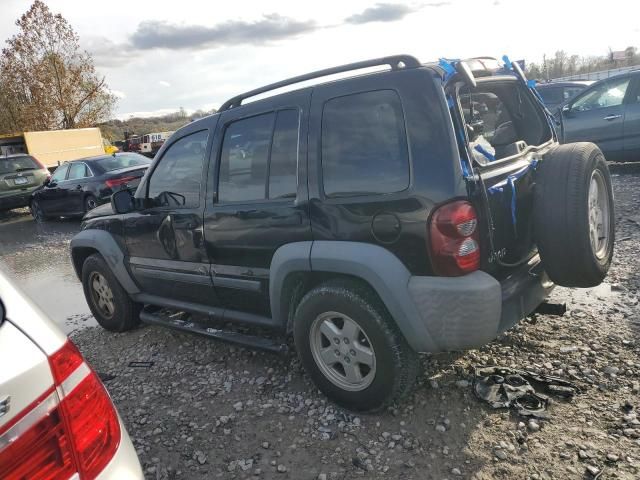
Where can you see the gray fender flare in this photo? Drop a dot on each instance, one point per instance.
(377, 266)
(106, 245)
(290, 258)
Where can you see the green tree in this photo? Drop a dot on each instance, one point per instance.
(47, 81)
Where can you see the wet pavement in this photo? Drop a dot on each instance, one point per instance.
(37, 256)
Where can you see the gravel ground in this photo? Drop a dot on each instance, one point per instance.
(209, 410)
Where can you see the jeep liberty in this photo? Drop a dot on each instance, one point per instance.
(416, 208)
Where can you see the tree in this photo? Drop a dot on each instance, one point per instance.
(47, 81)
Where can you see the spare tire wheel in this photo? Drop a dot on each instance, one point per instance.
(574, 221)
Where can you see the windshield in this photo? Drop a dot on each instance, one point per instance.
(124, 160)
(17, 164)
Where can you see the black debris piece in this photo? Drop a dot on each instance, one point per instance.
(524, 391)
(141, 364)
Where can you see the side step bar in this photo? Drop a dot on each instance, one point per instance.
(252, 341)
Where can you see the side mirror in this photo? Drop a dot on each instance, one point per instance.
(47, 181)
(566, 108)
(122, 201)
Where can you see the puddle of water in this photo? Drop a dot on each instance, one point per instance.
(38, 258)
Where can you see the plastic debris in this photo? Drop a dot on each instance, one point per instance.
(525, 392)
(141, 364)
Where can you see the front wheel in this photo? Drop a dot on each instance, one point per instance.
(107, 300)
(351, 348)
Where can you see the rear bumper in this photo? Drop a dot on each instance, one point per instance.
(467, 312)
(15, 200)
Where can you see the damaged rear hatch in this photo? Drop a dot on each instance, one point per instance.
(506, 133)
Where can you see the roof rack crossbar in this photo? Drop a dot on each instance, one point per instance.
(396, 62)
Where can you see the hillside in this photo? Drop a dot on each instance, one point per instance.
(114, 130)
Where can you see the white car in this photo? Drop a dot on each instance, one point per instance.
(57, 420)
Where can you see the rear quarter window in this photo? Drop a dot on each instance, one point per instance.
(364, 145)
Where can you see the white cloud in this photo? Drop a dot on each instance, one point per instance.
(207, 74)
(164, 83)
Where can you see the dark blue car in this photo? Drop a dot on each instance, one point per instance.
(81, 185)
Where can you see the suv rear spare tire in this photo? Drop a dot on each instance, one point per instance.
(574, 221)
(351, 348)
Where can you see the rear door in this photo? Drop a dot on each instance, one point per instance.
(165, 241)
(597, 115)
(260, 199)
(77, 179)
(632, 122)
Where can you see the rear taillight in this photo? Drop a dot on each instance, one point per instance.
(73, 428)
(115, 182)
(454, 239)
(40, 164)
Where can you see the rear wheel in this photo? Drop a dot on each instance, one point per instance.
(351, 348)
(90, 202)
(574, 217)
(37, 212)
(108, 301)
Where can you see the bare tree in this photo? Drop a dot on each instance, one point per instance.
(47, 81)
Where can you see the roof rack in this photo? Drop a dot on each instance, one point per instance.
(396, 62)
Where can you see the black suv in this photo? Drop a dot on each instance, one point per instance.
(423, 208)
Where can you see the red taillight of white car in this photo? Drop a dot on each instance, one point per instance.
(453, 237)
(71, 429)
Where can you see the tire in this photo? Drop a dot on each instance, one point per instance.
(37, 213)
(90, 202)
(574, 240)
(395, 364)
(99, 283)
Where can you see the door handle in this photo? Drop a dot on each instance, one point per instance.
(611, 117)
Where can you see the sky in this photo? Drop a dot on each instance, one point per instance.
(160, 56)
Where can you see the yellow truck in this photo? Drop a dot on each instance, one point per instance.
(56, 146)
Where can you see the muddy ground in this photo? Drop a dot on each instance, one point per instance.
(210, 410)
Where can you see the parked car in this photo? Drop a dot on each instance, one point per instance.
(608, 114)
(56, 418)
(556, 94)
(81, 185)
(20, 175)
(356, 216)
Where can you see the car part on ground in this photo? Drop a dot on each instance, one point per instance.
(360, 244)
(574, 221)
(56, 417)
(503, 387)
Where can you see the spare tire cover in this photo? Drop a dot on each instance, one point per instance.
(574, 222)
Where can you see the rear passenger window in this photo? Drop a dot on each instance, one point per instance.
(364, 145)
(243, 163)
(77, 171)
(259, 159)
